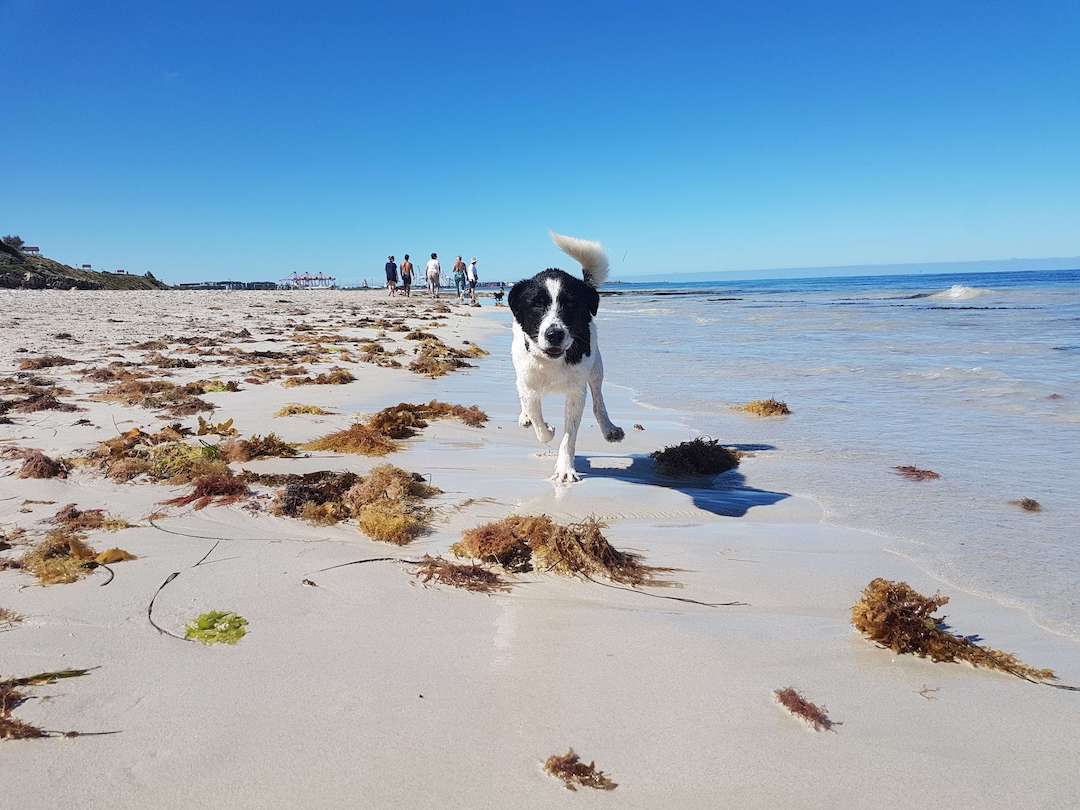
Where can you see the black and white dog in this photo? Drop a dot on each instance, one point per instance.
(555, 348)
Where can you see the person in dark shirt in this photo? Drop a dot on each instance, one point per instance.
(391, 275)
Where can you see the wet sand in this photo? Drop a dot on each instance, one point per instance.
(370, 689)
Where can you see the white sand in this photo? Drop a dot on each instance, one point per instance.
(370, 690)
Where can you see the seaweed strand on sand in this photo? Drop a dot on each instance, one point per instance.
(527, 542)
(816, 717)
(378, 435)
(896, 616)
(574, 773)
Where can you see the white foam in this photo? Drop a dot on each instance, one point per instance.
(958, 292)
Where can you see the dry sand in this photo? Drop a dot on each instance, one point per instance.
(370, 690)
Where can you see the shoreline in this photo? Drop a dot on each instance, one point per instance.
(322, 699)
(1031, 612)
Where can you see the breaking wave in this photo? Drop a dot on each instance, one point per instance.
(958, 292)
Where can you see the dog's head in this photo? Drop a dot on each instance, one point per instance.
(555, 311)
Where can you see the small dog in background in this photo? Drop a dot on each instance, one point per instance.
(555, 348)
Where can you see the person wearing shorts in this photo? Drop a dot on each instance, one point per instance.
(434, 271)
(459, 277)
(406, 276)
(391, 275)
(472, 277)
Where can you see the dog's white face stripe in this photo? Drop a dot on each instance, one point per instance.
(551, 318)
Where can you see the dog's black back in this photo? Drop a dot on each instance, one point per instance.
(530, 301)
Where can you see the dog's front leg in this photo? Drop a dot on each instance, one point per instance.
(532, 414)
(611, 431)
(564, 464)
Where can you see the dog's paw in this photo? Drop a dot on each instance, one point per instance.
(614, 434)
(544, 434)
(565, 475)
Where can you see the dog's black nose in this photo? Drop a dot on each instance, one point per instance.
(554, 335)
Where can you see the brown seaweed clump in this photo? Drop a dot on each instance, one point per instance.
(83, 520)
(435, 359)
(42, 401)
(696, 457)
(36, 464)
(60, 558)
(45, 361)
(358, 439)
(405, 419)
(336, 376)
(468, 576)
(896, 616)
(765, 407)
(295, 409)
(316, 497)
(1028, 504)
(178, 400)
(208, 428)
(916, 474)
(528, 542)
(574, 773)
(268, 446)
(386, 503)
(377, 435)
(163, 456)
(813, 715)
(222, 490)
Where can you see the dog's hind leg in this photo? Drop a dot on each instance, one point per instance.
(564, 464)
(531, 414)
(611, 431)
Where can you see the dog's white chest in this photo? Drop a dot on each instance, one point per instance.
(548, 376)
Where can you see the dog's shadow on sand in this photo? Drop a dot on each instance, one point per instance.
(726, 494)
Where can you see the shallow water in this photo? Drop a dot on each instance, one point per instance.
(975, 376)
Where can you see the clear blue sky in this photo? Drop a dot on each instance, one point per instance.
(245, 140)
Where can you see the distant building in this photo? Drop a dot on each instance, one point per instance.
(86, 267)
(31, 250)
(227, 285)
(120, 272)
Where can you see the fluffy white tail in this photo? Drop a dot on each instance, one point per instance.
(590, 255)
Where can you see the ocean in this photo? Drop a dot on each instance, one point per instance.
(974, 376)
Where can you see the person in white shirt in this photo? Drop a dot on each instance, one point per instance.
(434, 271)
(472, 277)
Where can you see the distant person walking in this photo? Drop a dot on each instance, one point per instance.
(406, 276)
(434, 275)
(391, 275)
(459, 278)
(472, 277)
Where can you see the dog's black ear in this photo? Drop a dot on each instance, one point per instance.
(514, 299)
(594, 300)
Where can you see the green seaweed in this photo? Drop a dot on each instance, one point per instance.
(216, 627)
